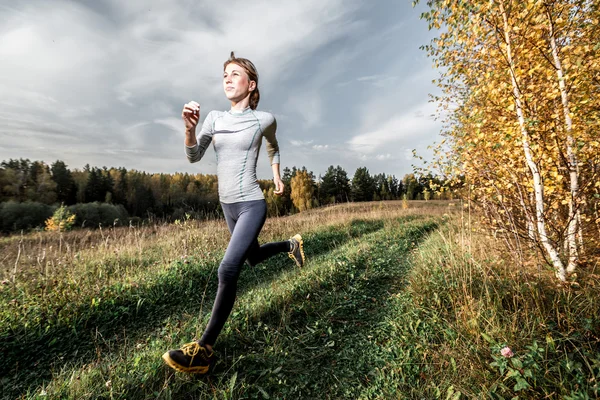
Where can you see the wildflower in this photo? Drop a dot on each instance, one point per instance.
(507, 352)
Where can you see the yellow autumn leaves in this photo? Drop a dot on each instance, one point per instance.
(62, 220)
(520, 104)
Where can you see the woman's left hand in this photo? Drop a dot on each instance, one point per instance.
(279, 186)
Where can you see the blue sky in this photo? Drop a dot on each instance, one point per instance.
(103, 82)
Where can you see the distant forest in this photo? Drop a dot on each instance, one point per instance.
(31, 191)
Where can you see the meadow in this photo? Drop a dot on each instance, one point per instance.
(397, 301)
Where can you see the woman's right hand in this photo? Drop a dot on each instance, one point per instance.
(191, 115)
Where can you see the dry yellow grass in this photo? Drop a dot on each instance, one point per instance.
(54, 255)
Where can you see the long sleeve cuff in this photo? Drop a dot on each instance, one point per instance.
(275, 159)
(193, 153)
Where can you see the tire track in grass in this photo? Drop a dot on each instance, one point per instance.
(269, 320)
(31, 356)
(330, 347)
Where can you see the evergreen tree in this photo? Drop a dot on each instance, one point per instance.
(120, 187)
(382, 189)
(35, 168)
(363, 185)
(327, 188)
(66, 190)
(93, 187)
(106, 185)
(342, 184)
(395, 187)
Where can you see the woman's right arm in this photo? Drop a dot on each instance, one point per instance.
(195, 148)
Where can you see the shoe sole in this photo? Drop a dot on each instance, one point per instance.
(301, 243)
(201, 370)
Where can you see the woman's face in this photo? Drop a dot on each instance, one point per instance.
(236, 83)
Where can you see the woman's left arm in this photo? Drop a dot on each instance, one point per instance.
(273, 152)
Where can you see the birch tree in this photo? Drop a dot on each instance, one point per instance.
(520, 87)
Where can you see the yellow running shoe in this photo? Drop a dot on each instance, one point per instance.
(192, 358)
(296, 252)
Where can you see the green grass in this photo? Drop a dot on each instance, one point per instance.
(393, 304)
(286, 338)
(470, 299)
(66, 325)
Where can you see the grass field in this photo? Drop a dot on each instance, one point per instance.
(399, 303)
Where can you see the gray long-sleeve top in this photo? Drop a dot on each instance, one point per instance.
(236, 138)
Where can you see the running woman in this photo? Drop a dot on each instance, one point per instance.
(236, 136)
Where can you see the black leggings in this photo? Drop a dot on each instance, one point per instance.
(244, 220)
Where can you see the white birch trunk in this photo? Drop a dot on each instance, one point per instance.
(571, 157)
(538, 186)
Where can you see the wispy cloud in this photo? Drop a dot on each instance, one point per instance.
(173, 123)
(307, 101)
(300, 143)
(368, 78)
(112, 62)
(396, 130)
(379, 81)
(104, 82)
(309, 106)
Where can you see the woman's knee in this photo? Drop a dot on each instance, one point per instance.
(253, 258)
(228, 273)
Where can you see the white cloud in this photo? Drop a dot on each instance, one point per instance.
(97, 69)
(300, 143)
(136, 126)
(309, 106)
(368, 78)
(397, 129)
(176, 124)
(307, 100)
(104, 82)
(124, 96)
(380, 81)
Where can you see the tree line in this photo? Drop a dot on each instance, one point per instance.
(30, 190)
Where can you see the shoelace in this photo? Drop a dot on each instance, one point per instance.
(191, 349)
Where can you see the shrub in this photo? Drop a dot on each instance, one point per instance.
(62, 220)
(96, 214)
(16, 216)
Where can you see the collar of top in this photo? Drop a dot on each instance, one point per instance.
(240, 112)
